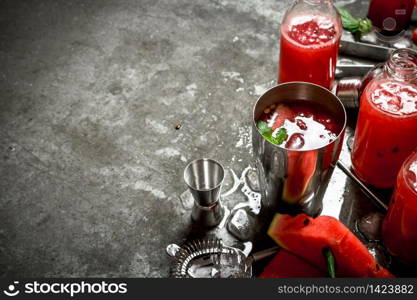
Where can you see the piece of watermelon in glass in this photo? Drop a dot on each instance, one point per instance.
(282, 113)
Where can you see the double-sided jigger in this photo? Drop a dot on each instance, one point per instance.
(204, 177)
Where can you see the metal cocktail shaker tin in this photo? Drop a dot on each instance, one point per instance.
(294, 181)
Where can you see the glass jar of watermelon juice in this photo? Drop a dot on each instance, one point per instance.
(386, 130)
(309, 45)
(391, 15)
(399, 227)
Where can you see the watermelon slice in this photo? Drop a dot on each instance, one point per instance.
(307, 237)
(288, 265)
(283, 113)
(300, 170)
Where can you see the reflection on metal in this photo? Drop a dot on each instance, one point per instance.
(236, 183)
(347, 70)
(367, 191)
(349, 89)
(209, 258)
(253, 197)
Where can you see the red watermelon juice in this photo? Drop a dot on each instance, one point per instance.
(308, 49)
(302, 127)
(386, 131)
(298, 125)
(399, 227)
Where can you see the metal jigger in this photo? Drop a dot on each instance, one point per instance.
(204, 177)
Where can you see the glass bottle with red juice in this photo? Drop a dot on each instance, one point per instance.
(309, 43)
(399, 227)
(391, 15)
(386, 130)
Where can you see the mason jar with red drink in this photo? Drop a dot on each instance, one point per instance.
(391, 15)
(309, 44)
(400, 224)
(386, 130)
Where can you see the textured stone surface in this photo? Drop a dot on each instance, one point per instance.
(90, 160)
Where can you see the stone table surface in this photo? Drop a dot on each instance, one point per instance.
(91, 92)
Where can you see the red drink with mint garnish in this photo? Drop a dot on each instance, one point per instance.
(386, 130)
(310, 38)
(297, 136)
(304, 127)
(400, 224)
(307, 125)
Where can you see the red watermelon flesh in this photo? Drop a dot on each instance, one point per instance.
(283, 113)
(307, 237)
(288, 265)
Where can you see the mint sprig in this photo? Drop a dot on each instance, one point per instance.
(263, 127)
(266, 132)
(362, 25)
(330, 262)
(281, 136)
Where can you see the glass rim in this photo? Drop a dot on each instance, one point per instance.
(404, 170)
(338, 137)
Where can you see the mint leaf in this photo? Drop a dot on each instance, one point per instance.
(348, 21)
(269, 138)
(365, 25)
(330, 262)
(353, 24)
(279, 138)
(347, 18)
(264, 128)
(266, 132)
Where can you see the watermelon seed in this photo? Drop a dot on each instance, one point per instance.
(306, 222)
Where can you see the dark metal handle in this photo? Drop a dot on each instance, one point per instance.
(363, 187)
(264, 254)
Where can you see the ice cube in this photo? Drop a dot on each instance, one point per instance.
(254, 199)
(187, 200)
(215, 272)
(172, 249)
(301, 124)
(253, 180)
(296, 141)
(380, 253)
(370, 226)
(240, 225)
(247, 248)
(233, 264)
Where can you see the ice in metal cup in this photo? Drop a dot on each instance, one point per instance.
(204, 178)
(294, 181)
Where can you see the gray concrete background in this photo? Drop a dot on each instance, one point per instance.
(91, 91)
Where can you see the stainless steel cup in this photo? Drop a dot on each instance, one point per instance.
(294, 181)
(204, 178)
